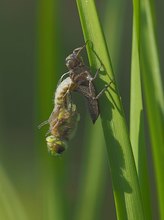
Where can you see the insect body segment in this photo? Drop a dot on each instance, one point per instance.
(74, 59)
(63, 91)
(63, 122)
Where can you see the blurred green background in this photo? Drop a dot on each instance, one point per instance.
(36, 37)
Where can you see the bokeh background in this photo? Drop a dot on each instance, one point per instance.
(35, 38)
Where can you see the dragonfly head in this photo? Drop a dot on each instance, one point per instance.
(55, 146)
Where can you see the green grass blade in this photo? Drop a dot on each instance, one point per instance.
(93, 177)
(153, 95)
(92, 182)
(10, 206)
(47, 76)
(136, 116)
(125, 183)
(113, 24)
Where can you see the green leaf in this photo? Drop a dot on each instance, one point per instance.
(137, 135)
(48, 57)
(153, 95)
(113, 23)
(124, 176)
(10, 205)
(92, 181)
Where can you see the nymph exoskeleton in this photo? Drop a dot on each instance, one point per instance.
(81, 76)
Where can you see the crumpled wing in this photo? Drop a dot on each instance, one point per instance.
(92, 103)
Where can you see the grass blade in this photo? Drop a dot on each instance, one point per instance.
(93, 178)
(153, 94)
(136, 115)
(48, 54)
(124, 176)
(10, 206)
(113, 24)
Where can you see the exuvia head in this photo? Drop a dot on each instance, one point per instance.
(74, 59)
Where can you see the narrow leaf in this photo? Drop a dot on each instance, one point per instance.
(125, 182)
(153, 94)
(10, 205)
(93, 177)
(47, 66)
(136, 115)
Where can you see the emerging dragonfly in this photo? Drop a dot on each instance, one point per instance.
(64, 118)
